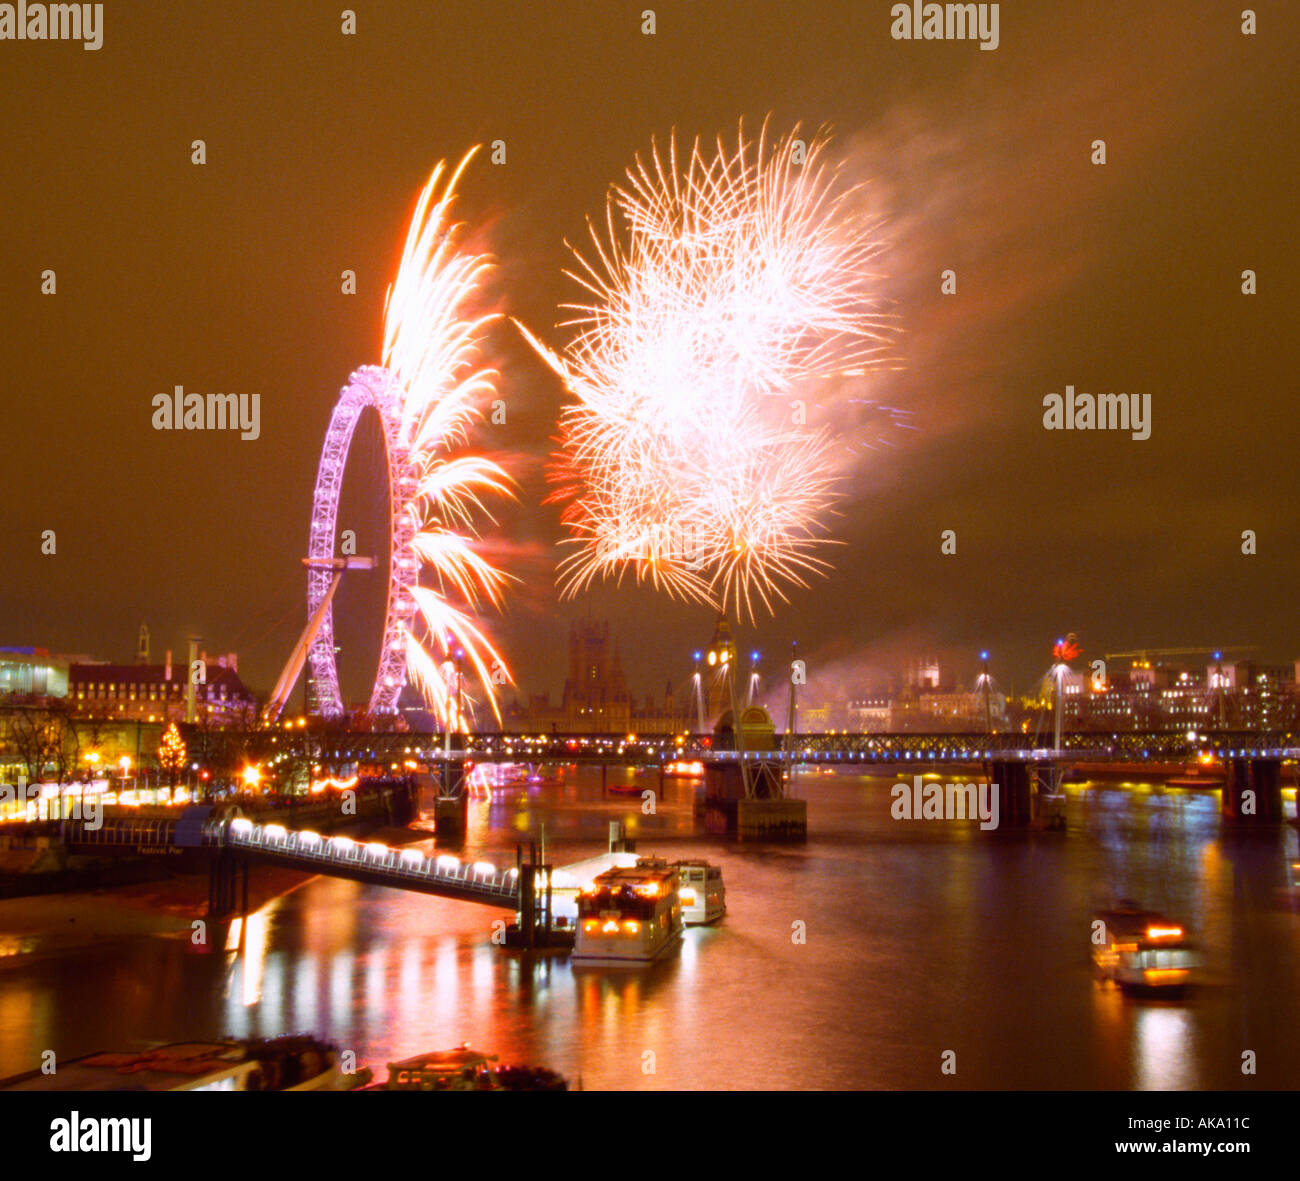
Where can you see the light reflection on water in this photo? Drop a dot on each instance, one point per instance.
(921, 937)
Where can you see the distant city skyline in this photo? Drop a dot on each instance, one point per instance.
(837, 686)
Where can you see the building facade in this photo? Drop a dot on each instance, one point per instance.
(158, 692)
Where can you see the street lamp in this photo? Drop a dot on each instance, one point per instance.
(988, 707)
(697, 687)
(460, 723)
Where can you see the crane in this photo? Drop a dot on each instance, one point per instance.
(1146, 653)
(1217, 696)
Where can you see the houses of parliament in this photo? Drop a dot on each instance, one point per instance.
(596, 698)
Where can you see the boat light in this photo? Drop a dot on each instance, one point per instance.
(1164, 932)
(610, 927)
(688, 896)
(650, 890)
(632, 927)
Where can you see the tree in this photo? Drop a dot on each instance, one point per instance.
(42, 734)
(171, 753)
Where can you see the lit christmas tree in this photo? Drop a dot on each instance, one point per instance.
(171, 753)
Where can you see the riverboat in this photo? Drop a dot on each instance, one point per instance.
(1143, 952)
(684, 769)
(463, 1069)
(629, 914)
(703, 896)
(700, 890)
(295, 1063)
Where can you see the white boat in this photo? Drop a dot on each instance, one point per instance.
(1142, 951)
(630, 914)
(702, 894)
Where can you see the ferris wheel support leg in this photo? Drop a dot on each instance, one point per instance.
(298, 657)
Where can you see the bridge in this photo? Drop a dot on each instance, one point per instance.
(830, 747)
(238, 841)
(1024, 770)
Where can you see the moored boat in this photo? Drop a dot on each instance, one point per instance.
(463, 1069)
(293, 1063)
(628, 914)
(700, 890)
(702, 894)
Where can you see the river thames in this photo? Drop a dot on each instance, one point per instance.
(918, 937)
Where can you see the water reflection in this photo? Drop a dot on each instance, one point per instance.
(919, 938)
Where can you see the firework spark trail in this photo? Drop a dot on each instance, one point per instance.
(433, 341)
(722, 288)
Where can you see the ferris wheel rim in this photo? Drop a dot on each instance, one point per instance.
(371, 386)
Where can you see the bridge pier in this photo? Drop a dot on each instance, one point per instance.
(1252, 791)
(451, 807)
(449, 816)
(535, 928)
(227, 893)
(768, 815)
(1015, 799)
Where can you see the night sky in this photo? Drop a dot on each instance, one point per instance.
(226, 277)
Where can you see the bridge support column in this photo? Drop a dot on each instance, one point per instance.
(528, 900)
(768, 815)
(449, 816)
(450, 809)
(1015, 800)
(1252, 791)
(536, 926)
(225, 896)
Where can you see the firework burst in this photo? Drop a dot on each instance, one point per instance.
(433, 342)
(726, 291)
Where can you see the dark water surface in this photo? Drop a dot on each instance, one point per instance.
(921, 937)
